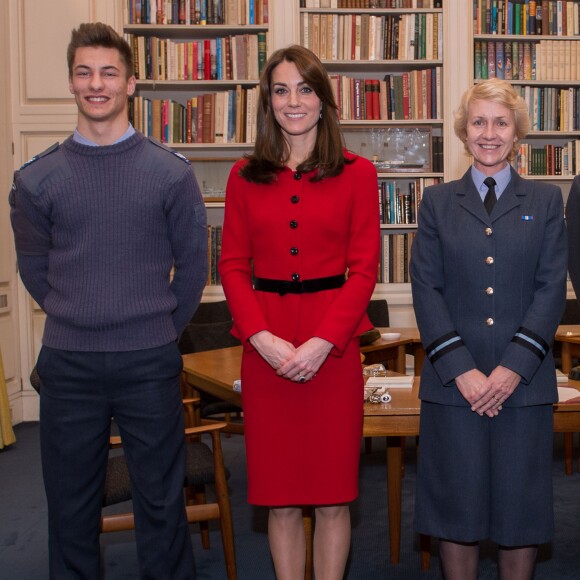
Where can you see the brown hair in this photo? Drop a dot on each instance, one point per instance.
(271, 150)
(99, 34)
(497, 91)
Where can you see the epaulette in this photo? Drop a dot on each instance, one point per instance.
(172, 151)
(46, 152)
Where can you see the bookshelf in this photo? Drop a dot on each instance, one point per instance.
(534, 45)
(385, 61)
(197, 64)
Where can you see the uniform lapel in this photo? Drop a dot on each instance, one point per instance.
(469, 198)
(513, 195)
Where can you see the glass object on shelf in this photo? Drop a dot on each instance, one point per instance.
(212, 193)
(377, 141)
(402, 148)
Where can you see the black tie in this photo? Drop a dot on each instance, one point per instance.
(490, 198)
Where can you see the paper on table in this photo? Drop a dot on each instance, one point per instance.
(402, 382)
(561, 377)
(567, 393)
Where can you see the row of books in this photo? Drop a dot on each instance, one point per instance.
(546, 60)
(549, 159)
(221, 117)
(396, 256)
(547, 17)
(214, 251)
(373, 37)
(365, 4)
(410, 95)
(552, 108)
(239, 57)
(198, 12)
(399, 200)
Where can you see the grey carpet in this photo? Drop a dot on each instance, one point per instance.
(23, 520)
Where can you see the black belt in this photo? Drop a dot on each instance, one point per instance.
(286, 287)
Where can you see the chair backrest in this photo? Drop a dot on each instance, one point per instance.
(208, 329)
(378, 312)
(207, 336)
(211, 312)
(571, 312)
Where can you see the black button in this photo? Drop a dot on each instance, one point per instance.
(294, 199)
(294, 251)
(293, 224)
(295, 277)
(298, 176)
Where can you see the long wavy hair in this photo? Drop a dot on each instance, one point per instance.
(271, 150)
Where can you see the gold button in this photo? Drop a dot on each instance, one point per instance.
(489, 290)
(489, 321)
(489, 260)
(488, 231)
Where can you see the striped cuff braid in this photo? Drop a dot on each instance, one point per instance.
(530, 340)
(443, 346)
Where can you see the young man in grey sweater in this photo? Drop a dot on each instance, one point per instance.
(100, 221)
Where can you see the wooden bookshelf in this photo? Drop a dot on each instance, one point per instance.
(197, 64)
(535, 46)
(385, 61)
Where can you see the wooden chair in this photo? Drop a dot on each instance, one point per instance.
(378, 313)
(203, 467)
(209, 329)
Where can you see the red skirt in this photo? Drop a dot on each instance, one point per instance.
(303, 440)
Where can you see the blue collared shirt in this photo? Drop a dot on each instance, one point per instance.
(84, 141)
(502, 179)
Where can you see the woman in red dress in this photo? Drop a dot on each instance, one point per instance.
(299, 261)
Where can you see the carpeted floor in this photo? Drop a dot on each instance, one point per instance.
(23, 521)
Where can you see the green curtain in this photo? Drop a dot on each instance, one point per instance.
(6, 433)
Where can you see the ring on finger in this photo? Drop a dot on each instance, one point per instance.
(302, 379)
(496, 399)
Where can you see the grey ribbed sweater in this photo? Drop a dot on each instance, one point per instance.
(98, 230)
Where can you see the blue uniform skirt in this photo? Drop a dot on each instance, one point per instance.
(481, 477)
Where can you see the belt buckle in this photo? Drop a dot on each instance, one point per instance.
(287, 287)
(284, 288)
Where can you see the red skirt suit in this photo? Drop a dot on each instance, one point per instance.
(302, 440)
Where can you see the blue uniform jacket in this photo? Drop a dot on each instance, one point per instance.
(489, 290)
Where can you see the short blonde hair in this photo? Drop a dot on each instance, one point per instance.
(497, 91)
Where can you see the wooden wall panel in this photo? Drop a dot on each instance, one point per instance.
(43, 48)
(42, 32)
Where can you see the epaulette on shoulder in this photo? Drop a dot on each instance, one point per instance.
(163, 146)
(46, 152)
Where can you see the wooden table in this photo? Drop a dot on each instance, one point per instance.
(568, 335)
(215, 371)
(391, 351)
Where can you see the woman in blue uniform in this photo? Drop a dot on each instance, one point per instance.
(489, 283)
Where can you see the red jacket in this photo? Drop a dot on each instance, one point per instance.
(315, 230)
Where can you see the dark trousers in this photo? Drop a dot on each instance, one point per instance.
(81, 392)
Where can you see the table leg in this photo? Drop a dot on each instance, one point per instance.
(401, 362)
(568, 453)
(419, 355)
(566, 357)
(307, 514)
(394, 463)
(425, 544)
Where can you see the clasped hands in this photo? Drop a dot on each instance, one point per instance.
(298, 364)
(486, 395)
